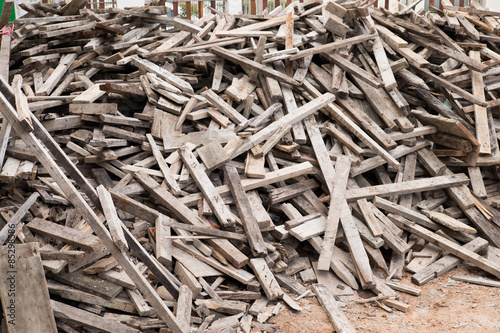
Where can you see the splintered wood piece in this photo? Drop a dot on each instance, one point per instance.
(342, 168)
(254, 166)
(101, 266)
(358, 252)
(476, 180)
(212, 155)
(139, 302)
(183, 307)
(240, 88)
(206, 186)
(320, 151)
(448, 221)
(480, 113)
(22, 106)
(165, 170)
(370, 219)
(255, 239)
(163, 243)
(266, 278)
(114, 222)
(332, 308)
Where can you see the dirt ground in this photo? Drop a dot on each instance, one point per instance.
(444, 306)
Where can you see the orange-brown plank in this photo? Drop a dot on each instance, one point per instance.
(176, 8)
(188, 10)
(200, 9)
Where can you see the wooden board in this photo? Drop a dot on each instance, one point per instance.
(25, 308)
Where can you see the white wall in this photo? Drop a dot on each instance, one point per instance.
(491, 4)
(129, 3)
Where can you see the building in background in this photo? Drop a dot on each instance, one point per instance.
(196, 9)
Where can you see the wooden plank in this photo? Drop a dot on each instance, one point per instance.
(212, 155)
(238, 274)
(88, 283)
(183, 307)
(172, 184)
(248, 221)
(480, 114)
(163, 244)
(476, 179)
(225, 108)
(405, 212)
(94, 108)
(114, 222)
(320, 151)
(65, 234)
(413, 186)
(358, 252)
(266, 278)
(337, 199)
(335, 314)
(22, 103)
(479, 281)
(57, 74)
(71, 293)
(206, 186)
(448, 221)
(370, 219)
(26, 309)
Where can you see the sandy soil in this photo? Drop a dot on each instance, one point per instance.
(444, 306)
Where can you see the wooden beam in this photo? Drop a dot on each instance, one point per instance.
(333, 310)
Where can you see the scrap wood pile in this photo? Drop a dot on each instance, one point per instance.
(192, 178)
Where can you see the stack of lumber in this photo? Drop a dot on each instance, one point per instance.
(195, 177)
